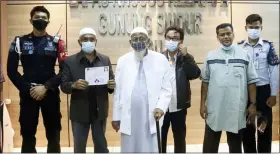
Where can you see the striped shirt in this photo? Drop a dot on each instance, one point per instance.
(228, 74)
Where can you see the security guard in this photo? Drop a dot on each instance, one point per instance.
(266, 64)
(38, 86)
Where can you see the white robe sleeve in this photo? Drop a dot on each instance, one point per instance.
(166, 89)
(116, 102)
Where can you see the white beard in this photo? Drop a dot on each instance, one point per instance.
(139, 55)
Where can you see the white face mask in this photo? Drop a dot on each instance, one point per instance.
(226, 48)
(171, 45)
(88, 47)
(254, 33)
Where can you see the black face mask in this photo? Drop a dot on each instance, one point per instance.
(39, 24)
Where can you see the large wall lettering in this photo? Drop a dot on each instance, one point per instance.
(116, 23)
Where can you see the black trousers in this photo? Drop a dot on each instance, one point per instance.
(212, 140)
(264, 139)
(29, 114)
(178, 124)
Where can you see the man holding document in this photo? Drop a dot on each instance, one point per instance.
(88, 77)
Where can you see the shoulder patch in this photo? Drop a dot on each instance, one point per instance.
(272, 57)
(241, 42)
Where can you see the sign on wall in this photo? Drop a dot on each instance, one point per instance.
(114, 20)
(122, 23)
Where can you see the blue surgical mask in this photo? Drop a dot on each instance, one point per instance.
(88, 47)
(139, 46)
(171, 45)
(254, 33)
(226, 48)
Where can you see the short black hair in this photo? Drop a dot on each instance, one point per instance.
(223, 25)
(177, 29)
(39, 9)
(253, 18)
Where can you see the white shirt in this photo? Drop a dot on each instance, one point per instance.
(268, 74)
(173, 103)
(228, 75)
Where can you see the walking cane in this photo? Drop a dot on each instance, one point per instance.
(158, 137)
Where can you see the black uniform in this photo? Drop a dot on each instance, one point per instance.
(38, 58)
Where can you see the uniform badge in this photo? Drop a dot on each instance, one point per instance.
(50, 47)
(50, 44)
(30, 52)
(27, 46)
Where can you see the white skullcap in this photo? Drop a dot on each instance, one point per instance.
(87, 31)
(139, 30)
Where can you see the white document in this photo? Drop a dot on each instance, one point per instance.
(97, 75)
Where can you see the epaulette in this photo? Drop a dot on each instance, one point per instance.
(241, 42)
(20, 36)
(267, 41)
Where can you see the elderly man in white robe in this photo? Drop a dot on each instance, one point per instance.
(142, 94)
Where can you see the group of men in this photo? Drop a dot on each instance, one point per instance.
(148, 86)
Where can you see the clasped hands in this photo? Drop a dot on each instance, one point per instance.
(83, 84)
(38, 92)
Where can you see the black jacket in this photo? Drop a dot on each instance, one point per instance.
(186, 69)
(38, 58)
(93, 102)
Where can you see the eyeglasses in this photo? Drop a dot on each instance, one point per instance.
(139, 39)
(173, 39)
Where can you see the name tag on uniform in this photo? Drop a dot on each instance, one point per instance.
(28, 46)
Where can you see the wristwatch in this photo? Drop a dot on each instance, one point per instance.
(252, 103)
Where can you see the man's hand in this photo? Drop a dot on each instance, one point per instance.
(80, 84)
(116, 125)
(183, 49)
(271, 101)
(158, 113)
(252, 113)
(203, 112)
(38, 92)
(111, 84)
